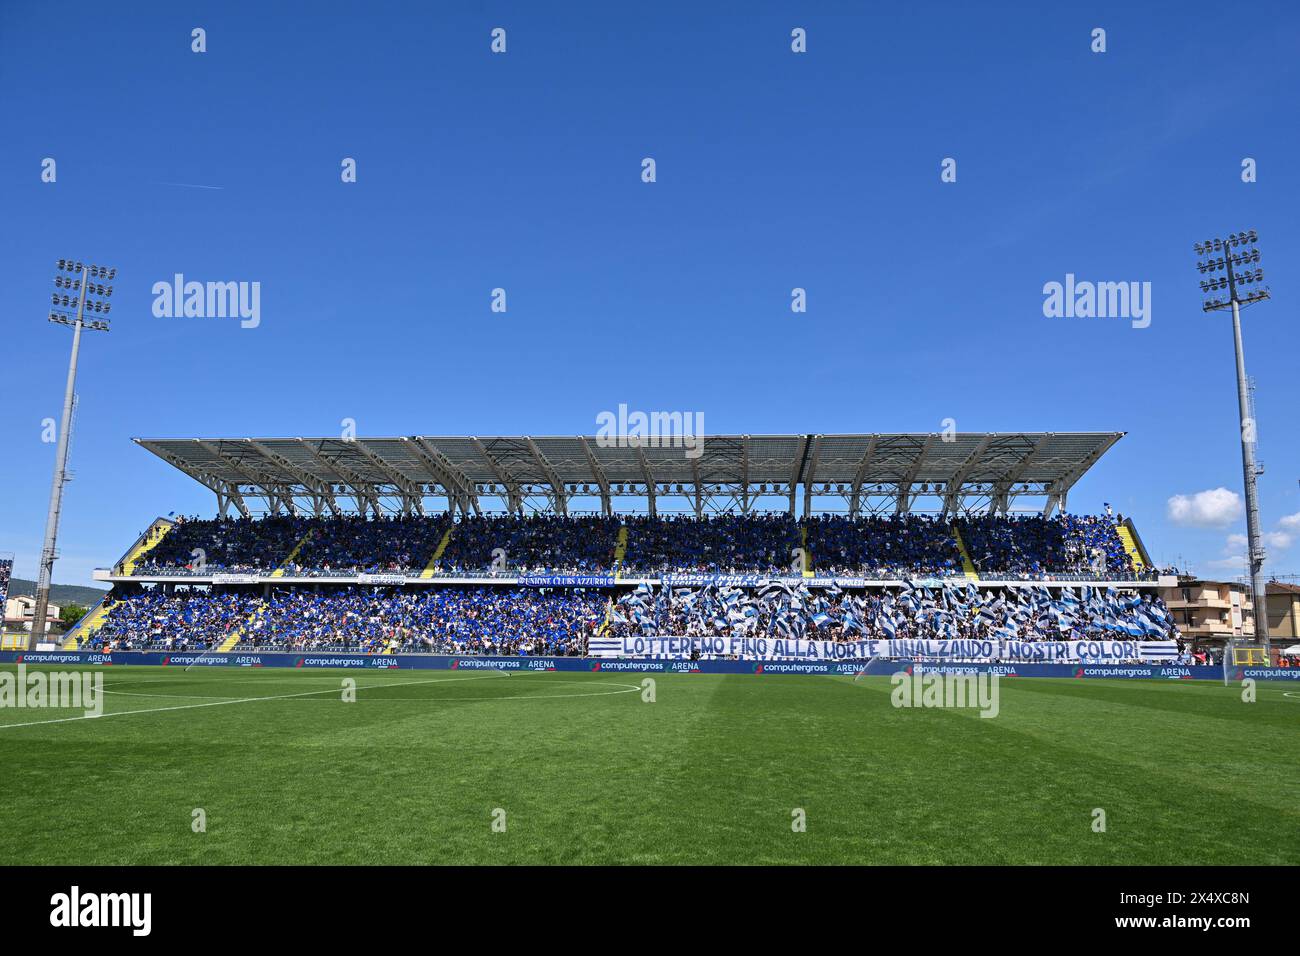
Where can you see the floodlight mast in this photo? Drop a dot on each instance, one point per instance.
(50, 551)
(1250, 468)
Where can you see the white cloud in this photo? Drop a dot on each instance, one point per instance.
(1233, 559)
(1279, 539)
(1237, 564)
(1205, 509)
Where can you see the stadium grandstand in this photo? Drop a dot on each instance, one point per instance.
(514, 545)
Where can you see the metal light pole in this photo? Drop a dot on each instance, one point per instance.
(1235, 251)
(81, 287)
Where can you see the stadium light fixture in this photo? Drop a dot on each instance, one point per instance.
(1230, 254)
(74, 290)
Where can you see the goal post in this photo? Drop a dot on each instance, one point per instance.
(1240, 653)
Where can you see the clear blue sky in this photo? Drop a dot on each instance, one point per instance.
(522, 171)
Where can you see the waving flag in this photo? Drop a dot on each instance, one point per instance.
(887, 625)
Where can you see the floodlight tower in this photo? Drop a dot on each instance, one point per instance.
(1228, 254)
(77, 285)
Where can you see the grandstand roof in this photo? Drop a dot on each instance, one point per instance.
(868, 472)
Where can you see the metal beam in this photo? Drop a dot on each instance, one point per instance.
(796, 469)
(410, 492)
(1002, 487)
(953, 495)
(860, 475)
(597, 472)
(904, 501)
(515, 496)
(649, 479)
(226, 492)
(363, 492)
(1061, 486)
(458, 486)
(744, 474)
(401, 473)
(695, 478)
(561, 495)
(811, 476)
(271, 490)
(320, 491)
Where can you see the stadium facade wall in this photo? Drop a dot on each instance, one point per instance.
(630, 665)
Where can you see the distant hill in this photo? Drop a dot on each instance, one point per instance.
(60, 594)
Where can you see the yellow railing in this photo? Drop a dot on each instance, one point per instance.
(431, 568)
(807, 562)
(284, 565)
(1130, 545)
(620, 552)
(967, 565)
(87, 625)
(157, 531)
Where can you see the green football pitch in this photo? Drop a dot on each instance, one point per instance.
(273, 766)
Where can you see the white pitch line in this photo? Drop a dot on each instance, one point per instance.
(254, 680)
(215, 703)
(625, 689)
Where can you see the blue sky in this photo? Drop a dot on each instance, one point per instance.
(775, 170)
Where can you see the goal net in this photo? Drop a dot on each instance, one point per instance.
(1238, 655)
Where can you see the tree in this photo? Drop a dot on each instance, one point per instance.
(70, 614)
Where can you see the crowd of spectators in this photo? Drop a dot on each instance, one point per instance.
(1092, 543)
(450, 620)
(720, 544)
(558, 621)
(189, 619)
(531, 544)
(1030, 546)
(880, 546)
(946, 613)
(224, 544)
(306, 545)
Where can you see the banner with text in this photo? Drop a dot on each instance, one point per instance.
(770, 649)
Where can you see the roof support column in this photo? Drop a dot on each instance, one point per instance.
(810, 477)
(649, 477)
(744, 474)
(597, 472)
(514, 496)
(855, 496)
(797, 469)
(695, 476)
